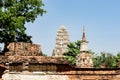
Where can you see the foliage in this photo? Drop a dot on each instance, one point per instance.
(118, 56)
(13, 16)
(73, 50)
(117, 59)
(107, 59)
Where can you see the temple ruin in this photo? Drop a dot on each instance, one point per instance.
(84, 59)
(62, 40)
(25, 61)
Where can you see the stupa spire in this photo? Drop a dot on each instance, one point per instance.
(84, 46)
(83, 36)
(83, 59)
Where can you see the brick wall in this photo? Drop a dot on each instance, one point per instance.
(52, 68)
(24, 49)
(87, 74)
(24, 62)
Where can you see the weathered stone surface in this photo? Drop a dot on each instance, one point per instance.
(34, 77)
(76, 74)
(62, 40)
(35, 67)
(84, 60)
(37, 59)
(54, 68)
(24, 49)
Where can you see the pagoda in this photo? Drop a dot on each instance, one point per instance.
(84, 59)
(62, 40)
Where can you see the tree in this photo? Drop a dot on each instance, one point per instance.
(118, 56)
(13, 16)
(73, 49)
(117, 59)
(107, 59)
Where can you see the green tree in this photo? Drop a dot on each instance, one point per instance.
(73, 49)
(13, 16)
(109, 60)
(96, 60)
(105, 58)
(118, 56)
(117, 59)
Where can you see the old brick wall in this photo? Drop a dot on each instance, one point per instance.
(24, 66)
(51, 68)
(67, 75)
(93, 74)
(24, 49)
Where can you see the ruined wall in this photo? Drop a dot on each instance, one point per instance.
(78, 74)
(52, 68)
(34, 77)
(23, 49)
(26, 66)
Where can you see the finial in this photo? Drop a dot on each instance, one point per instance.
(62, 27)
(83, 36)
(83, 28)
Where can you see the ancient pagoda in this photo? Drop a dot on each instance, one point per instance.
(84, 59)
(62, 40)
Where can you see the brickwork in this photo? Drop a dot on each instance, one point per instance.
(23, 66)
(54, 68)
(84, 60)
(76, 74)
(24, 49)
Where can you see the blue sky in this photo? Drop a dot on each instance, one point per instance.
(100, 17)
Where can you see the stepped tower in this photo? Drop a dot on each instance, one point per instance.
(62, 40)
(84, 59)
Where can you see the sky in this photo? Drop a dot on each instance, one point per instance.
(101, 19)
